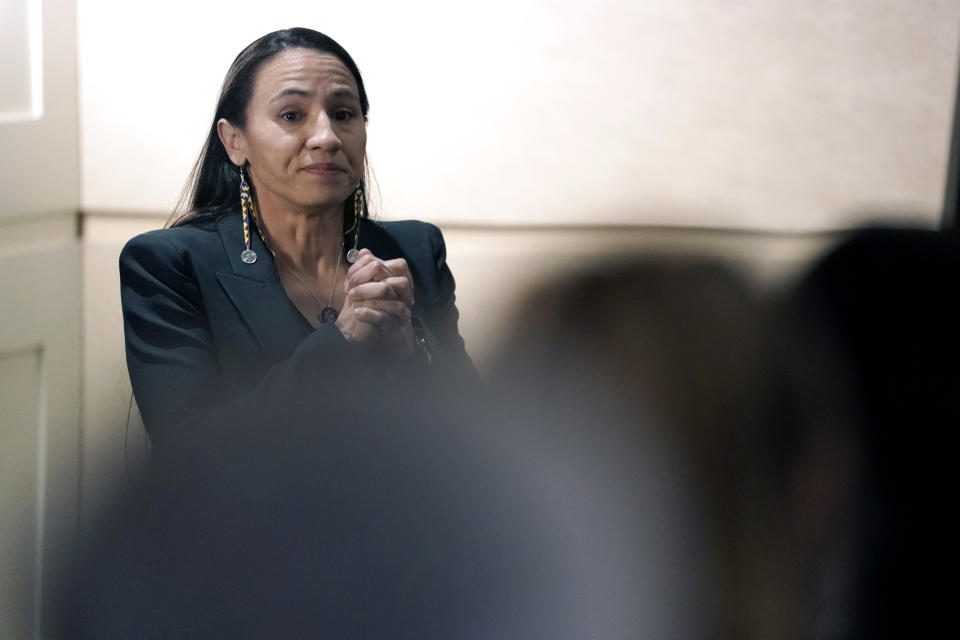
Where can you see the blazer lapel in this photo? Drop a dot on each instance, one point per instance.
(257, 294)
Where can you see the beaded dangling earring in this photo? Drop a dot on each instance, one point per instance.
(248, 256)
(358, 204)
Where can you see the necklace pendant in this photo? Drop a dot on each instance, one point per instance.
(328, 314)
(249, 256)
(352, 255)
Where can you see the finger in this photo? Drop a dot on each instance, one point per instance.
(372, 316)
(365, 254)
(397, 310)
(365, 258)
(369, 270)
(397, 267)
(373, 291)
(402, 288)
(355, 329)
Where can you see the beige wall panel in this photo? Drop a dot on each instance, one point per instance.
(113, 448)
(40, 412)
(495, 268)
(21, 489)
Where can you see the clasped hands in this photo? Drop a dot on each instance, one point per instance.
(376, 308)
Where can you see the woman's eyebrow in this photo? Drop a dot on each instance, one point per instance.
(292, 91)
(340, 92)
(343, 92)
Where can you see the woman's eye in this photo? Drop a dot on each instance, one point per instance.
(342, 115)
(290, 116)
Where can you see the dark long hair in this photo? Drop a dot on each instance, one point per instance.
(214, 182)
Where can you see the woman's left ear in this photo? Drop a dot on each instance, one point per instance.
(233, 141)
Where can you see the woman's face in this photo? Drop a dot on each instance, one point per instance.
(305, 135)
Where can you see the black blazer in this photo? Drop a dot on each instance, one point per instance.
(207, 332)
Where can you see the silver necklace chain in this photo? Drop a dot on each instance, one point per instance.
(327, 311)
(333, 285)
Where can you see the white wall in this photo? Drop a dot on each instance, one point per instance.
(760, 114)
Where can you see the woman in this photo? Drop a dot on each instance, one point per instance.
(275, 282)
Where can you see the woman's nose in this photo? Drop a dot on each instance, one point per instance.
(323, 135)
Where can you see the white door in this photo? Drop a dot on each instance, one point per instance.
(39, 306)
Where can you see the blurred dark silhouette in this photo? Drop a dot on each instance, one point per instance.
(684, 351)
(888, 301)
(345, 525)
(394, 517)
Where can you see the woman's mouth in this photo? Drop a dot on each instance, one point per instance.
(324, 169)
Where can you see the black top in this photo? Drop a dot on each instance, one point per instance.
(207, 333)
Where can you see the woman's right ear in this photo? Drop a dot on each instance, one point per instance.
(233, 141)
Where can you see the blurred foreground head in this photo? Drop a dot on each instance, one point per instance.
(889, 300)
(680, 355)
(393, 518)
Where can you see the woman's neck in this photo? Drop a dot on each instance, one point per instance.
(309, 241)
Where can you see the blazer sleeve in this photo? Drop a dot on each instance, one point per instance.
(172, 356)
(441, 318)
